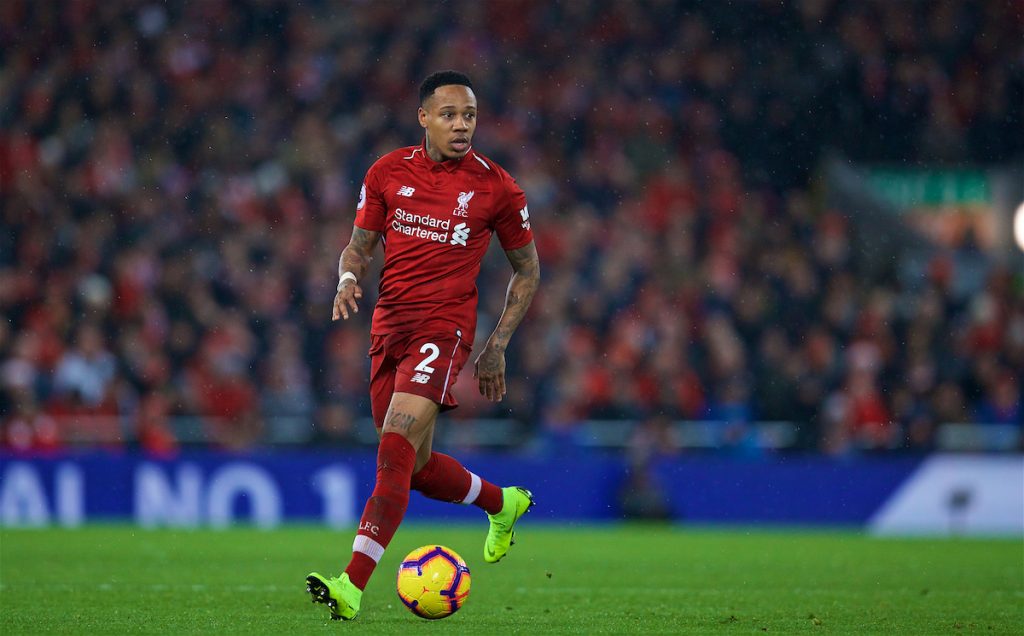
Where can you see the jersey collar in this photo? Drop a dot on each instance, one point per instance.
(450, 165)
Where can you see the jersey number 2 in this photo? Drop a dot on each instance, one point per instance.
(424, 367)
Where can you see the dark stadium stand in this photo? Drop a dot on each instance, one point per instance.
(178, 179)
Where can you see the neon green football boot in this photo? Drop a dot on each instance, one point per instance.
(501, 536)
(338, 594)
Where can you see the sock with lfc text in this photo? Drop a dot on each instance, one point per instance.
(445, 479)
(396, 459)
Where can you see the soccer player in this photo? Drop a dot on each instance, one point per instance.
(433, 207)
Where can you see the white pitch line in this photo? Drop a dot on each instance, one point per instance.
(694, 591)
(156, 587)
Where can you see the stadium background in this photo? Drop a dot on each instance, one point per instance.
(770, 232)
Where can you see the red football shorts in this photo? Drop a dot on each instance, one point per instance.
(424, 365)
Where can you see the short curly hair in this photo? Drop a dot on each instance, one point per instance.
(442, 78)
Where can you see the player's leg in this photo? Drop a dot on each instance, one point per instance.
(439, 476)
(339, 593)
(409, 421)
(442, 477)
(423, 452)
(445, 479)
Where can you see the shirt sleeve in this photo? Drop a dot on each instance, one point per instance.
(512, 223)
(371, 211)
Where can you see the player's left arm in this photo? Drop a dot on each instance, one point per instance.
(490, 364)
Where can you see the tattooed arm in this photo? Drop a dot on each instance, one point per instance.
(490, 364)
(355, 259)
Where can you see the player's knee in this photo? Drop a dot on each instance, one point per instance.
(412, 417)
(422, 456)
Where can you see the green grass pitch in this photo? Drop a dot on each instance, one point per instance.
(558, 579)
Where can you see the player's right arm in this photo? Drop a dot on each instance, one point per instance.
(352, 266)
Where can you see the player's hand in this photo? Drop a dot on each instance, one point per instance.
(345, 300)
(489, 369)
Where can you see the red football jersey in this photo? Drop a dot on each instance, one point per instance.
(436, 221)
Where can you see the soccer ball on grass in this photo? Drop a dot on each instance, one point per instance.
(433, 581)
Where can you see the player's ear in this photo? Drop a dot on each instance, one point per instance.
(422, 115)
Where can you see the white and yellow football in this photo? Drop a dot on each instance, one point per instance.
(433, 581)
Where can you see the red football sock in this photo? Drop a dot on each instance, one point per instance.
(385, 508)
(445, 479)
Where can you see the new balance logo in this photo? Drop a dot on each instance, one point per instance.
(459, 234)
(525, 213)
(420, 378)
(406, 191)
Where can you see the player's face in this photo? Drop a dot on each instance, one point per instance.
(449, 119)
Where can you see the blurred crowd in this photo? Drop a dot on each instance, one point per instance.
(177, 181)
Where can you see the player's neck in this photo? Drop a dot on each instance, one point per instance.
(434, 153)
